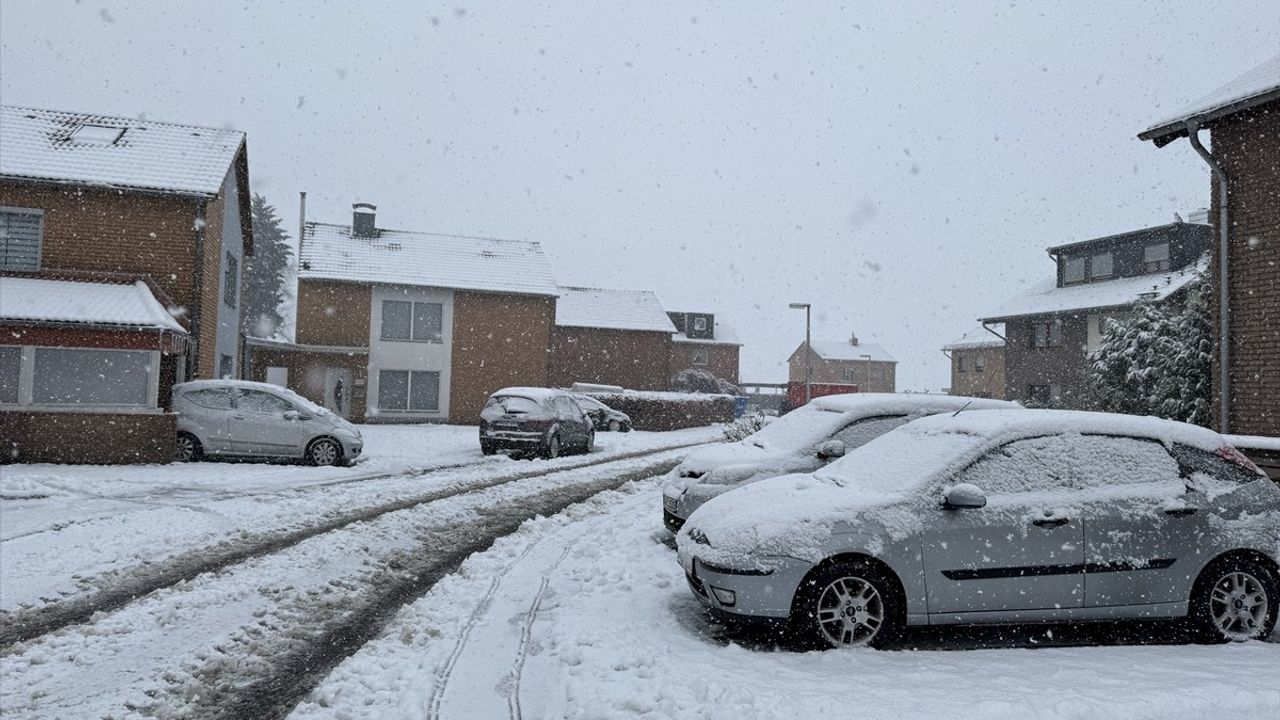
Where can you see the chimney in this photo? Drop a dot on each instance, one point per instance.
(362, 217)
(853, 339)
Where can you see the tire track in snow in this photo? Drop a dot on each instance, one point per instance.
(119, 588)
(526, 636)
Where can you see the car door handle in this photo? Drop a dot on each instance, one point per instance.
(1180, 512)
(238, 417)
(1050, 522)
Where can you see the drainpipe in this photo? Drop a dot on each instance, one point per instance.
(197, 282)
(993, 332)
(1224, 277)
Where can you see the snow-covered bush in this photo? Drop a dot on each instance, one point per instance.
(1157, 362)
(692, 380)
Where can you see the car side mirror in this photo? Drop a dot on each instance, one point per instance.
(294, 416)
(965, 496)
(831, 449)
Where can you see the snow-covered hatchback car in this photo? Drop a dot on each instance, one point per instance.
(800, 441)
(1000, 517)
(238, 418)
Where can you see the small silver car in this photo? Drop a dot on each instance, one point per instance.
(999, 517)
(800, 441)
(237, 418)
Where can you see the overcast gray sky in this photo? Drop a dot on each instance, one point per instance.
(902, 166)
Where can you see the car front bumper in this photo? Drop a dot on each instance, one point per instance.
(755, 596)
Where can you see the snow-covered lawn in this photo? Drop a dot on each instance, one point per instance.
(586, 615)
(62, 527)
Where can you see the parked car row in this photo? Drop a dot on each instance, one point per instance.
(977, 516)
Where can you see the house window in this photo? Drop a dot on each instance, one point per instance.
(847, 375)
(73, 376)
(699, 356)
(1038, 394)
(1074, 270)
(408, 390)
(1155, 258)
(959, 364)
(231, 280)
(412, 321)
(10, 368)
(1100, 266)
(700, 324)
(1047, 333)
(979, 363)
(20, 231)
(225, 367)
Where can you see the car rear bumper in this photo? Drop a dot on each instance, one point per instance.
(512, 438)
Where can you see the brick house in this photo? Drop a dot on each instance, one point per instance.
(97, 211)
(703, 343)
(977, 364)
(867, 366)
(611, 337)
(1243, 120)
(402, 326)
(1052, 327)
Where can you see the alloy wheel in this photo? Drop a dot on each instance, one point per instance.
(324, 452)
(184, 448)
(850, 611)
(1238, 605)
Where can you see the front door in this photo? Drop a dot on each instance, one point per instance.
(1024, 551)
(337, 391)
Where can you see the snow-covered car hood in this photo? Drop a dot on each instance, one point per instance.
(789, 516)
(731, 463)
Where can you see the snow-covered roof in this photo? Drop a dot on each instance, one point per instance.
(1046, 298)
(1257, 86)
(844, 350)
(97, 303)
(84, 148)
(402, 257)
(977, 338)
(724, 335)
(611, 309)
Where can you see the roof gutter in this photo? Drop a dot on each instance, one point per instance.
(1224, 278)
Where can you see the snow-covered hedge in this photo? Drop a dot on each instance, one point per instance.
(669, 410)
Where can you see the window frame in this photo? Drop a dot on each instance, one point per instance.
(414, 305)
(1161, 264)
(699, 324)
(39, 254)
(1093, 265)
(1067, 263)
(26, 384)
(1053, 331)
(231, 280)
(407, 408)
(700, 352)
(960, 364)
(979, 363)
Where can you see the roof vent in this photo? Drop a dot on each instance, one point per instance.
(362, 220)
(853, 339)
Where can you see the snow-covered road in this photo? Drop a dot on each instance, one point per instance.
(251, 638)
(587, 615)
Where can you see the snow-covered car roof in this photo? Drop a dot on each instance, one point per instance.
(250, 385)
(531, 393)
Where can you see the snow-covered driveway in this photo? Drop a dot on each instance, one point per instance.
(586, 615)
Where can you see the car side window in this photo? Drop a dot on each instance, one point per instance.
(212, 398)
(1070, 462)
(863, 431)
(256, 401)
(1192, 461)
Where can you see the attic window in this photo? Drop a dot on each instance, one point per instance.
(97, 134)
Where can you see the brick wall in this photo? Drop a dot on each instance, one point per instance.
(990, 383)
(307, 373)
(831, 372)
(333, 313)
(1248, 146)
(499, 340)
(1065, 365)
(87, 438)
(722, 360)
(633, 359)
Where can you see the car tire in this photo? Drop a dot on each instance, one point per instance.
(552, 448)
(1235, 599)
(186, 448)
(590, 443)
(324, 452)
(615, 426)
(488, 448)
(847, 604)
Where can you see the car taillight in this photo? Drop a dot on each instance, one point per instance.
(1239, 459)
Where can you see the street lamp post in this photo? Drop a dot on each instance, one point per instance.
(808, 352)
(868, 357)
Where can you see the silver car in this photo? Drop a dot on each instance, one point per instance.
(800, 441)
(999, 517)
(236, 418)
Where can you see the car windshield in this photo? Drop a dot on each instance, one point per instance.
(902, 459)
(798, 430)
